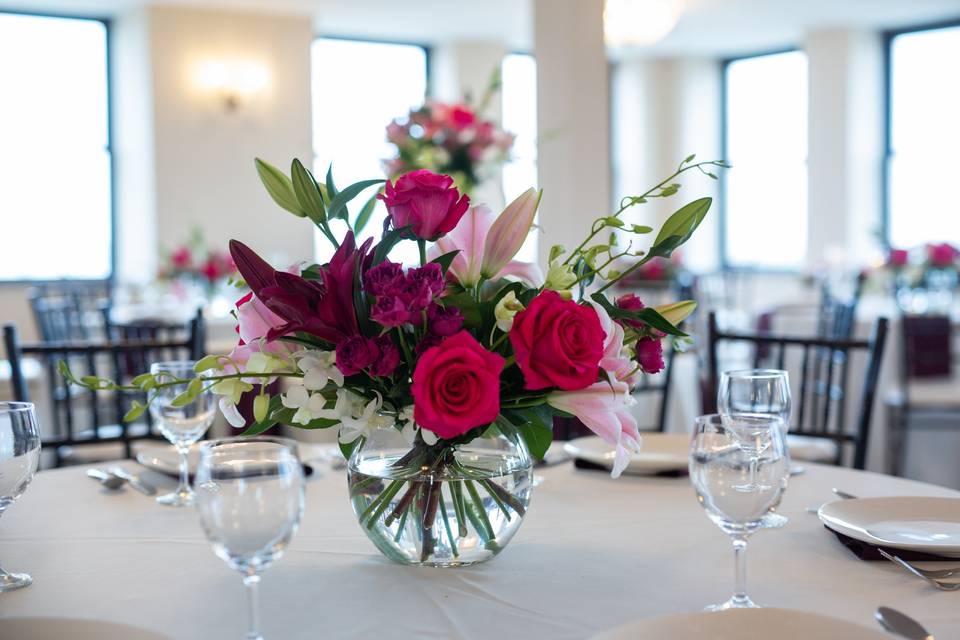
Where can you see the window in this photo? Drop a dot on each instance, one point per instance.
(923, 103)
(765, 194)
(374, 83)
(55, 199)
(519, 116)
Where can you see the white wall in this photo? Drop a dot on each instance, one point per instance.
(204, 172)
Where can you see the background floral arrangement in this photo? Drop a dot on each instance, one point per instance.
(449, 138)
(922, 266)
(194, 261)
(465, 344)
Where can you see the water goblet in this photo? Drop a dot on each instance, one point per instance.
(19, 456)
(181, 425)
(758, 392)
(249, 493)
(739, 469)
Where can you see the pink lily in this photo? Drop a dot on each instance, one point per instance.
(508, 232)
(602, 407)
(615, 362)
(471, 238)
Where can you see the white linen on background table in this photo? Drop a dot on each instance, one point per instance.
(593, 553)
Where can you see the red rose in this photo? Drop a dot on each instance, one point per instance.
(426, 202)
(558, 343)
(456, 386)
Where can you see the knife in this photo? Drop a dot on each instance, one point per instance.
(134, 481)
(901, 624)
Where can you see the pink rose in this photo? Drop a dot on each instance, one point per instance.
(460, 117)
(650, 355)
(426, 202)
(558, 343)
(181, 258)
(941, 255)
(456, 386)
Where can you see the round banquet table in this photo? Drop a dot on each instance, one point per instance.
(593, 553)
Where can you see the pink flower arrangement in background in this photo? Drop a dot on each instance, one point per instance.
(450, 139)
(195, 262)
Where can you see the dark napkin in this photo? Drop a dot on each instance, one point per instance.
(580, 463)
(867, 551)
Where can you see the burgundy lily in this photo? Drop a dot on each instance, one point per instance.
(323, 309)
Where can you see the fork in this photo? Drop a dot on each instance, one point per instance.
(943, 586)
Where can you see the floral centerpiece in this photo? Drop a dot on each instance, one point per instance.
(448, 138)
(195, 263)
(444, 376)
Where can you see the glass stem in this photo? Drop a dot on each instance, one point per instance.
(251, 582)
(740, 559)
(184, 487)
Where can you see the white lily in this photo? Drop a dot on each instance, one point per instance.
(319, 368)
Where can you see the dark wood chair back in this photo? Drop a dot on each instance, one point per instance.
(819, 406)
(927, 349)
(81, 416)
(67, 310)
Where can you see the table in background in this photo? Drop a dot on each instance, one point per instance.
(593, 553)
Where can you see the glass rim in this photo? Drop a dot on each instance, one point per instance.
(756, 373)
(718, 418)
(210, 445)
(14, 406)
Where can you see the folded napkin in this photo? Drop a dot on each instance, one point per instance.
(867, 551)
(580, 463)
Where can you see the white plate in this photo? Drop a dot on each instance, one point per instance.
(165, 459)
(743, 624)
(930, 525)
(659, 452)
(75, 629)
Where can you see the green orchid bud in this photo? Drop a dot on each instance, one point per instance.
(506, 309)
(560, 277)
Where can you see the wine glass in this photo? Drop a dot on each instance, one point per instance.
(19, 456)
(182, 425)
(250, 499)
(739, 468)
(758, 392)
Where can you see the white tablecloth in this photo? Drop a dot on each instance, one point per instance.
(593, 553)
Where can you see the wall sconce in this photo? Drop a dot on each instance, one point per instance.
(232, 82)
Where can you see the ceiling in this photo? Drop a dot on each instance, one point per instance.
(705, 28)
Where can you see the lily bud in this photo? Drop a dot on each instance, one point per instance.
(677, 312)
(506, 308)
(508, 232)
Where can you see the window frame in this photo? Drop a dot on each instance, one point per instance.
(888, 37)
(427, 52)
(108, 34)
(722, 213)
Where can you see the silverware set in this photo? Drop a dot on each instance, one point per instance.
(115, 478)
(932, 576)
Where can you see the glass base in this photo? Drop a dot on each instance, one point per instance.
(736, 602)
(179, 498)
(11, 581)
(774, 521)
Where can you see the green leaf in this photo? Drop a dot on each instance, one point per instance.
(140, 379)
(647, 315)
(90, 381)
(364, 216)
(338, 206)
(389, 240)
(537, 430)
(446, 259)
(307, 192)
(689, 158)
(319, 423)
(347, 448)
(279, 187)
(313, 272)
(182, 400)
(136, 410)
(610, 221)
(331, 188)
(195, 387)
(679, 227)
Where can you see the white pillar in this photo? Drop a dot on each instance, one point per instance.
(573, 119)
(845, 143)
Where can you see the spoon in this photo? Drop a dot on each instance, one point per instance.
(108, 480)
(901, 624)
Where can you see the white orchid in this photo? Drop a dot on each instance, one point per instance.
(309, 406)
(319, 368)
(410, 428)
(359, 417)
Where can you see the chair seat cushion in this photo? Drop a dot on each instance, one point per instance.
(812, 449)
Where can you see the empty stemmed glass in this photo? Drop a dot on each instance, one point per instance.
(250, 499)
(19, 456)
(758, 392)
(739, 467)
(182, 424)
